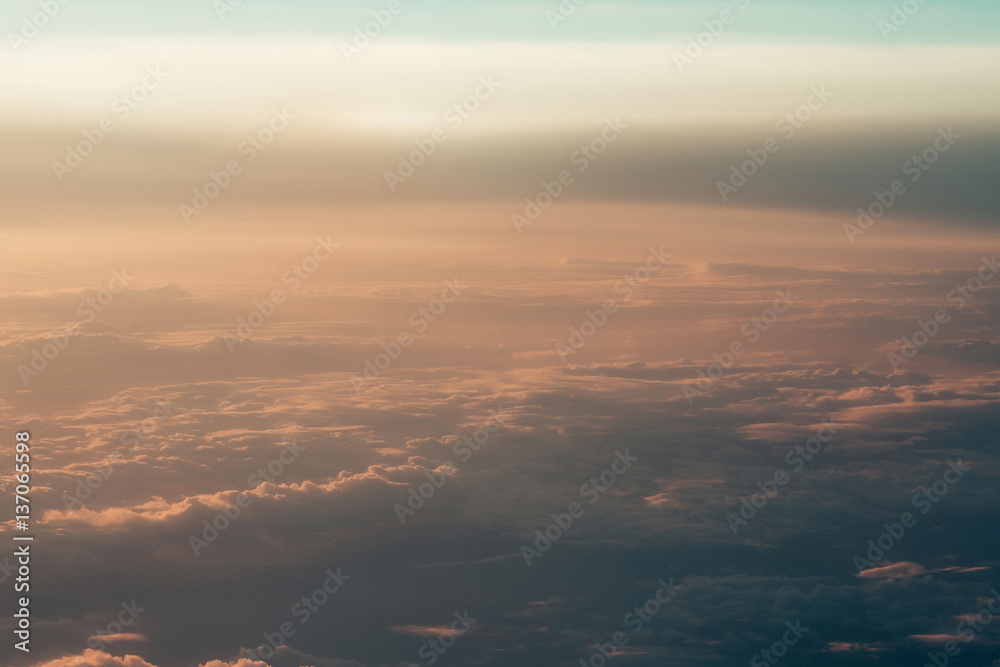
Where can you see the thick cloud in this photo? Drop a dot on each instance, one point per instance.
(422, 486)
(91, 658)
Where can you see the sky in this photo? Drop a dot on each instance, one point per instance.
(515, 333)
(962, 21)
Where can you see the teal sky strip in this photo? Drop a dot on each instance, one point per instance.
(934, 22)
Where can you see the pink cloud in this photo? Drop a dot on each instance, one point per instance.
(91, 658)
(850, 647)
(894, 571)
(423, 631)
(121, 637)
(935, 639)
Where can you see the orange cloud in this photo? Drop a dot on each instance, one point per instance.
(91, 658)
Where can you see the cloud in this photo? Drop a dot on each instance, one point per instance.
(91, 658)
(852, 647)
(894, 571)
(936, 639)
(364, 452)
(424, 631)
(120, 637)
